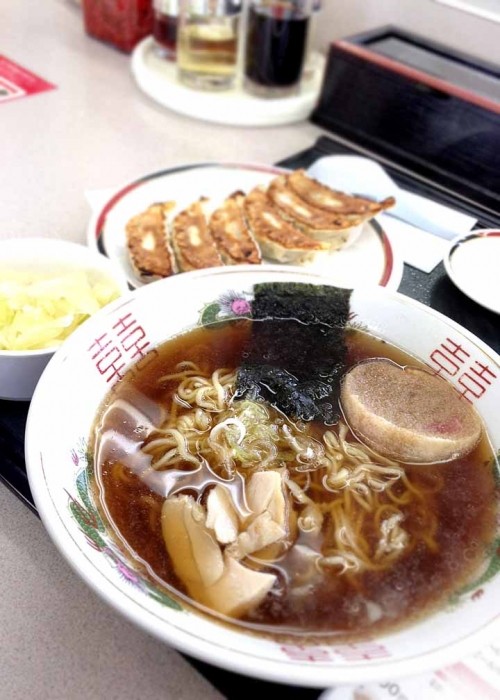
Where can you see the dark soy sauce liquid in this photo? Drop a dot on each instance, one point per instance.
(165, 32)
(275, 47)
(462, 497)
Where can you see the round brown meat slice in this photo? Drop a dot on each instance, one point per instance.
(408, 414)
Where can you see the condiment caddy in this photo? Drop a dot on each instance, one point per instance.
(240, 62)
(158, 79)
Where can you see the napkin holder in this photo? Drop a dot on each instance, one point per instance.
(419, 107)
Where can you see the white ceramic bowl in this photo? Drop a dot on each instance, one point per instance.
(56, 448)
(21, 369)
(472, 265)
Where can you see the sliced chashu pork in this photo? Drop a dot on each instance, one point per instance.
(222, 517)
(278, 239)
(408, 414)
(268, 524)
(265, 494)
(147, 243)
(191, 239)
(231, 233)
(211, 578)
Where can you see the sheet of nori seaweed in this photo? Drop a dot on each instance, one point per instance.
(295, 357)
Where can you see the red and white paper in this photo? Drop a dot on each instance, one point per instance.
(16, 81)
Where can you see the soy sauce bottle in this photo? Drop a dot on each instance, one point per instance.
(276, 44)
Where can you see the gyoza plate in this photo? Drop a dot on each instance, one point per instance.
(368, 260)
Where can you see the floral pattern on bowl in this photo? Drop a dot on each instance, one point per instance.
(97, 534)
(229, 306)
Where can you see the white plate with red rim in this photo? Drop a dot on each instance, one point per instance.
(368, 258)
(94, 357)
(473, 265)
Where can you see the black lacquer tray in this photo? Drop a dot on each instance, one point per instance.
(434, 290)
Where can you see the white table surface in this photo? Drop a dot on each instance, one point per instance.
(96, 130)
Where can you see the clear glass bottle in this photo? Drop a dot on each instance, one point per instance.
(276, 41)
(165, 23)
(207, 44)
(310, 64)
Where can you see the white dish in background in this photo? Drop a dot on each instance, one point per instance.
(368, 259)
(157, 78)
(473, 265)
(57, 453)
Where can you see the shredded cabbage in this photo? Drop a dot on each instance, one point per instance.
(39, 311)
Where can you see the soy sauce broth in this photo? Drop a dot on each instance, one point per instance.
(462, 502)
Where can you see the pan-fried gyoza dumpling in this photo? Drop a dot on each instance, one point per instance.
(278, 239)
(231, 233)
(192, 242)
(147, 243)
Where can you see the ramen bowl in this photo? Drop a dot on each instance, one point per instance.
(38, 277)
(125, 335)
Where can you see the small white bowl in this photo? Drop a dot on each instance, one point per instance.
(21, 369)
(60, 475)
(472, 265)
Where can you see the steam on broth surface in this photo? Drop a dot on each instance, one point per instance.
(280, 525)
